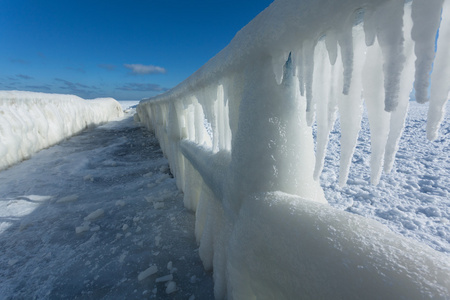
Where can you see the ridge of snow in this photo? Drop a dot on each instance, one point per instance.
(31, 121)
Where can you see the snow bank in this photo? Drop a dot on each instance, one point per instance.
(241, 126)
(32, 121)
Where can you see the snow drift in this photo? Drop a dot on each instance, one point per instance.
(32, 121)
(238, 137)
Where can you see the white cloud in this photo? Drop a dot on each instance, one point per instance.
(142, 69)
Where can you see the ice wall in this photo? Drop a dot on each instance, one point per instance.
(32, 121)
(237, 134)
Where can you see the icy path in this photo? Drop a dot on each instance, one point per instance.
(112, 186)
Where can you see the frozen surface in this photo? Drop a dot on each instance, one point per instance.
(32, 121)
(414, 198)
(77, 221)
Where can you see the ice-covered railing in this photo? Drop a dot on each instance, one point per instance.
(238, 137)
(32, 121)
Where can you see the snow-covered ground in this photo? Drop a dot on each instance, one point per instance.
(93, 218)
(414, 199)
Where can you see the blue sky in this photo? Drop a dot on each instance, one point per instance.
(127, 50)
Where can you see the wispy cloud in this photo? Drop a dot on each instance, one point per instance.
(108, 67)
(76, 88)
(142, 87)
(19, 61)
(143, 69)
(26, 77)
(39, 87)
(79, 69)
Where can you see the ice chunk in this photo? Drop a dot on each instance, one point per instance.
(12, 262)
(84, 227)
(123, 256)
(66, 199)
(158, 205)
(171, 287)
(148, 272)
(120, 203)
(88, 177)
(95, 215)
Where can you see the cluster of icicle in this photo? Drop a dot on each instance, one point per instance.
(346, 53)
(30, 121)
(238, 137)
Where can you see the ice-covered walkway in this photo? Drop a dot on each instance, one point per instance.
(93, 218)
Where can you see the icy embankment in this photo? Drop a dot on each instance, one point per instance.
(32, 121)
(238, 137)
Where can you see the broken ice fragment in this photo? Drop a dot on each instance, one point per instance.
(94, 215)
(148, 272)
(69, 198)
(171, 287)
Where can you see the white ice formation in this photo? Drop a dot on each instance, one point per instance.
(32, 121)
(238, 137)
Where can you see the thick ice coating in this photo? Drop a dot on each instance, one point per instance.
(238, 135)
(32, 121)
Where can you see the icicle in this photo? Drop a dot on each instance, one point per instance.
(350, 109)
(370, 29)
(390, 38)
(345, 40)
(308, 55)
(200, 132)
(208, 98)
(278, 61)
(331, 43)
(191, 121)
(324, 87)
(378, 118)
(426, 16)
(220, 118)
(440, 78)
(398, 116)
(299, 61)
